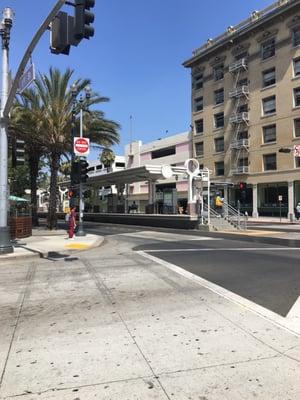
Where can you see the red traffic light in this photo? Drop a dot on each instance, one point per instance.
(242, 185)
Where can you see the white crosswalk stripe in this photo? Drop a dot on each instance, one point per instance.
(166, 237)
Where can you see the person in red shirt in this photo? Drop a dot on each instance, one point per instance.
(72, 222)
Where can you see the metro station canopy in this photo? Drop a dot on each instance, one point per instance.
(132, 175)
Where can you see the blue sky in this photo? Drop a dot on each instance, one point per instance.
(136, 55)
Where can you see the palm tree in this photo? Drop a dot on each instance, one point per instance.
(54, 115)
(25, 124)
(107, 158)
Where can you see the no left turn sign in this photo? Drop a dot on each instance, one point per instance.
(81, 146)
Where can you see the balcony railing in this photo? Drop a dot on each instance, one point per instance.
(242, 170)
(238, 118)
(239, 92)
(238, 65)
(239, 144)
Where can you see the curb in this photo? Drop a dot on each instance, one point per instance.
(33, 254)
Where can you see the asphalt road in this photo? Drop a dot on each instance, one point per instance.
(268, 275)
(264, 271)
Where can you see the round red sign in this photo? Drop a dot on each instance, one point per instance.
(81, 145)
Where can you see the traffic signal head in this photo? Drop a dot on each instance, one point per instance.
(83, 19)
(18, 152)
(242, 185)
(61, 33)
(83, 170)
(75, 173)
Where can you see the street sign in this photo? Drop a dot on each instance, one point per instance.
(27, 78)
(279, 198)
(81, 146)
(297, 150)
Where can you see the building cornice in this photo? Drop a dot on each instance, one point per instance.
(256, 20)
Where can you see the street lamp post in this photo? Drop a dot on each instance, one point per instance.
(5, 27)
(80, 231)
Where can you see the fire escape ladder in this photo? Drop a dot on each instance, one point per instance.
(239, 119)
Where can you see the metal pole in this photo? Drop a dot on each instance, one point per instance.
(208, 197)
(239, 220)
(5, 243)
(280, 211)
(81, 204)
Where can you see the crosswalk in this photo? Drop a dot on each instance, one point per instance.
(166, 236)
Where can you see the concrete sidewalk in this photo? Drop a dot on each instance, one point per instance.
(45, 243)
(113, 325)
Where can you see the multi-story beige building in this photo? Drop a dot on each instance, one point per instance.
(246, 107)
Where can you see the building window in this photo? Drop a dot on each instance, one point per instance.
(199, 149)
(269, 133)
(167, 151)
(297, 127)
(219, 168)
(269, 77)
(243, 162)
(242, 135)
(269, 105)
(219, 120)
(219, 96)
(268, 49)
(270, 162)
(296, 36)
(242, 108)
(198, 104)
(198, 82)
(297, 67)
(199, 126)
(242, 82)
(297, 97)
(219, 72)
(297, 162)
(219, 145)
(242, 55)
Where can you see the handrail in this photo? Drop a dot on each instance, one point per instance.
(235, 216)
(229, 213)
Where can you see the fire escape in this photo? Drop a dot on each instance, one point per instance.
(239, 146)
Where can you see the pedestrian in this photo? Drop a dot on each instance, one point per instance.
(298, 211)
(134, 207)
(72, 222)
(219, 204)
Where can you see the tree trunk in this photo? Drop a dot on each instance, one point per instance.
(54, 166)
(34, 172)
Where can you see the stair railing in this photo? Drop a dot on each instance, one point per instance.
(234, 216)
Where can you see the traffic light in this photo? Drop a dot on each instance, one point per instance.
(75, 173)
(61, 33)
(83, 19)
(242, 185)
(83, 171)
(18, 152)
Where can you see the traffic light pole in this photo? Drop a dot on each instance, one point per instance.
(7, 97)
(80, 231)
(5, 243)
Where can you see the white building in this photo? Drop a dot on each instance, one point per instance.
(173, 150)
(103, 197)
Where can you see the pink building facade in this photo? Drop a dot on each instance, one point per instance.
(171, 194)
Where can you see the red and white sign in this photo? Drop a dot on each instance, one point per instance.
(81, 146)
(297, 150)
